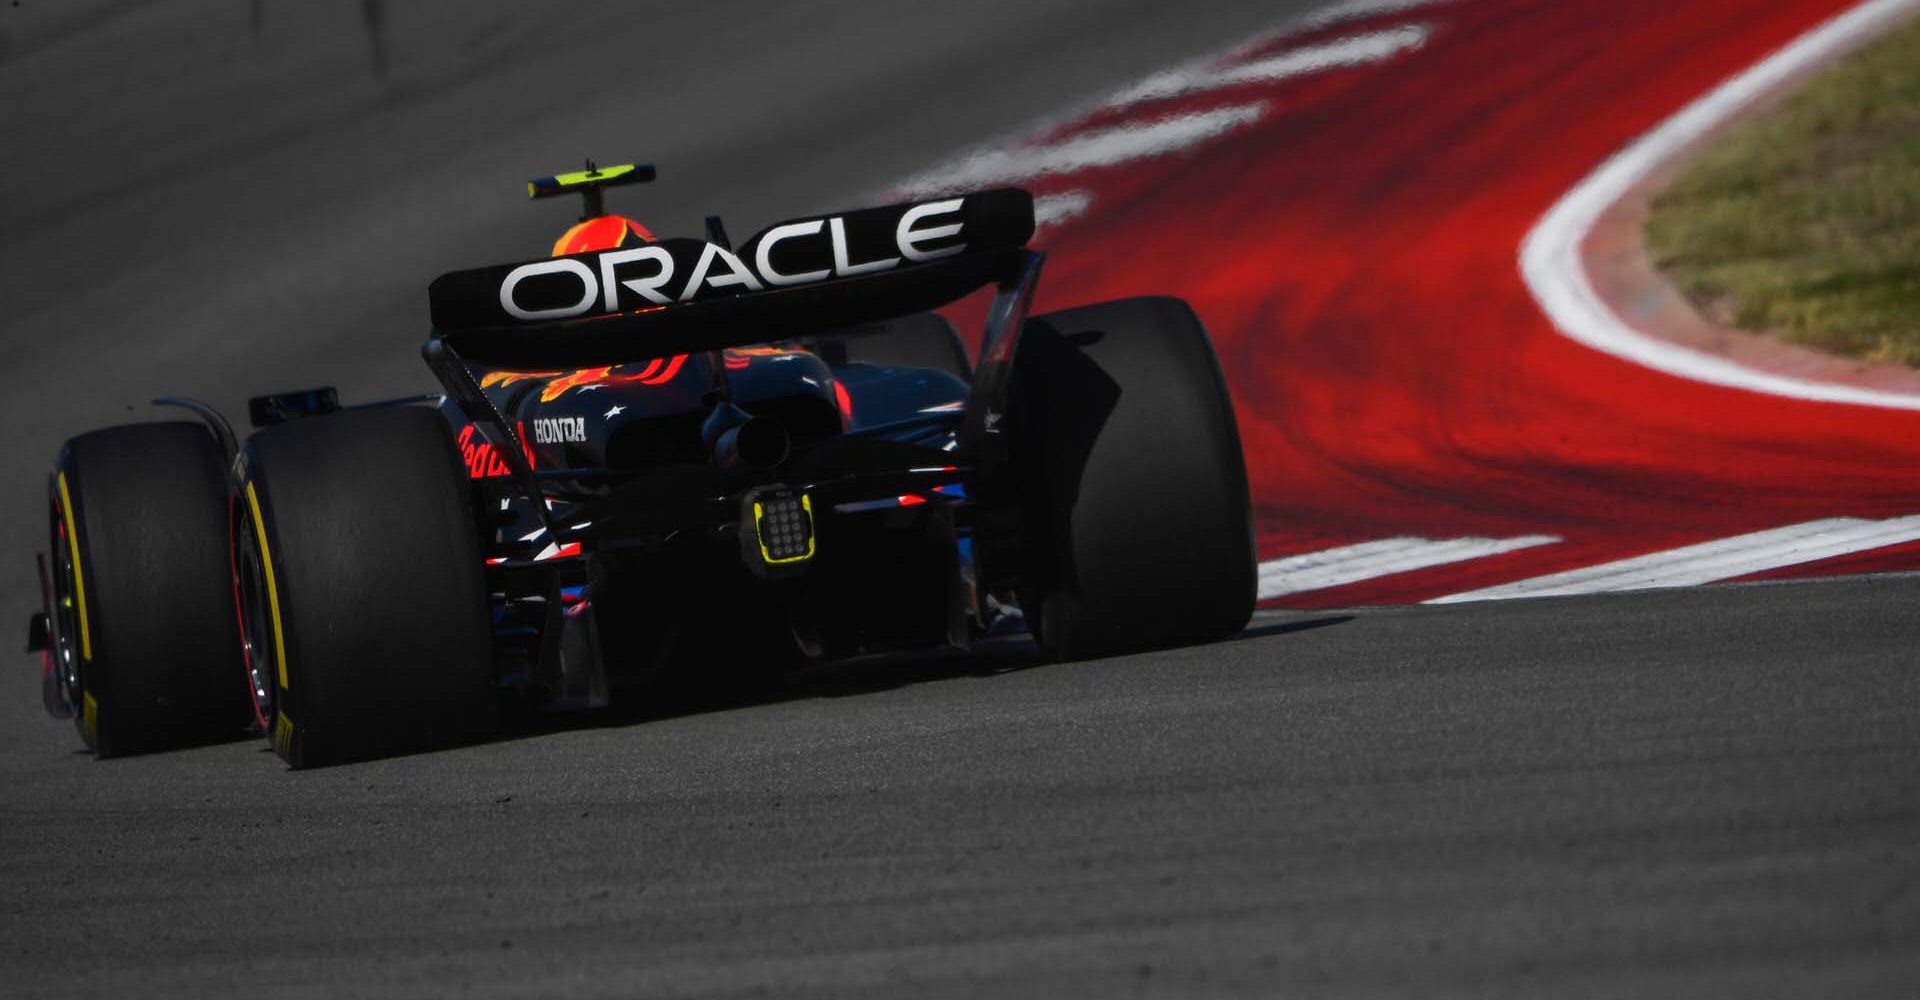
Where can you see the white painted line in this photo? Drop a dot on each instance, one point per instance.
(1721, 559)
(1550, 255)
(1096, 148)
(1354, 10)
(1053, 209)
(1008, 161)
(1358, 50)
(1367, 560)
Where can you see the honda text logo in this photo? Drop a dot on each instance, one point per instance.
(559, 430)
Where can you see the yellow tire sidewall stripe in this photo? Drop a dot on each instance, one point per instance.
(283, 735)
(273, 590)
(79, 577)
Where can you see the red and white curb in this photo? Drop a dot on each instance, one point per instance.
(1035, 155)
(1686, 566)
(1551, 261)
(1712, 562)
(1348, 564)
(1459, 446)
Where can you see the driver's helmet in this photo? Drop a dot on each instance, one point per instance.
(604, 232)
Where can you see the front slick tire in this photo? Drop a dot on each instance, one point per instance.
(1136, 521)
(140, 543)
(361, 568)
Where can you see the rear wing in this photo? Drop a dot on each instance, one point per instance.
(677, 296)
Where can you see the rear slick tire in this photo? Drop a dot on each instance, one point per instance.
(143, 590)
(361, 570)
(1136, 524)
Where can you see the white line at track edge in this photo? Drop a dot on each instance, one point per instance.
(1711, 561)
(1085, 150)
(1000, 160)
(1550, 256)
(1369, 560)
(1357, 50)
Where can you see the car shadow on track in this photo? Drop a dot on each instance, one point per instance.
(841, 679)
(1267, 629)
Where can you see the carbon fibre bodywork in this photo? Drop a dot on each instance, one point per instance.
(634, 540)
(623, 501)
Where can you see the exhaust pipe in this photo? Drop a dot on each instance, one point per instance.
(759, 443)
(740, 440)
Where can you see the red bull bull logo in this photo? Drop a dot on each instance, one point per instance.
(659, 371)
(482, 457)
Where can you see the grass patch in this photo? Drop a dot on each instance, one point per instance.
(1805, 222)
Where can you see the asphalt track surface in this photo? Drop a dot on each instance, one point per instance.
(1706, 792)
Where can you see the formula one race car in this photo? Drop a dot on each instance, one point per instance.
(655, 458)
